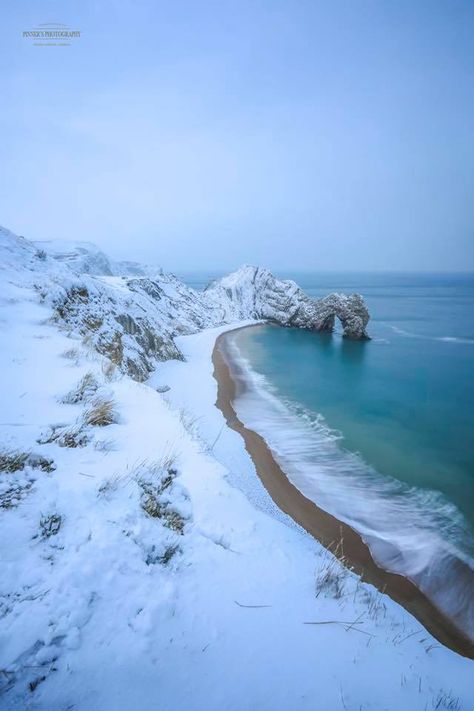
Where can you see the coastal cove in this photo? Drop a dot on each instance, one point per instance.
(341, 539)
(136, 533)
(237, 357)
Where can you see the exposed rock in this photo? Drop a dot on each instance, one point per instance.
(252, 292)
(133, 320)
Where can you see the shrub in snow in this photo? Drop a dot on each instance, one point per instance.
(50, 525)
(13, 494)
(72, 437)
(154, 557)
(160, 497)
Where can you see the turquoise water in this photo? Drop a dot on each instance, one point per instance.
(404, 400)
(379, 433)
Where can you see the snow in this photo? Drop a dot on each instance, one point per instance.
(92, 618)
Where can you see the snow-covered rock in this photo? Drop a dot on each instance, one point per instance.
(133, 320)
(82, 257)
(87, 258)
(253, 292)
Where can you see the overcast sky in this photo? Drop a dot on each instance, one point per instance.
(199, 134)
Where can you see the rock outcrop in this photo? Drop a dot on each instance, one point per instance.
(133, 320)
(253, 292)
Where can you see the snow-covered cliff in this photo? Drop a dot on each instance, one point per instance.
(133, 320)
(140, 555)
(253, 292)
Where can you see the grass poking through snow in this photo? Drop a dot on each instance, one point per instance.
(84, 390)
(16, 461)
(13, 461)
(101, 413)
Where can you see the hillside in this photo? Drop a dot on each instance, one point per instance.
(143, 564)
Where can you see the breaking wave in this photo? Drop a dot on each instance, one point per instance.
(414, 532)
(445, 339)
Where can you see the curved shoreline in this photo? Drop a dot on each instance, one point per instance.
(327, 529)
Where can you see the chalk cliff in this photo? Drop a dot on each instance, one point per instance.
(133, 320)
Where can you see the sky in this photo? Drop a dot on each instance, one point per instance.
(200, 134)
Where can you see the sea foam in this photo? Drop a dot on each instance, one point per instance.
(414, 532)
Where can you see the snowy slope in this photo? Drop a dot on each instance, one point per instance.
(143, 565)
(87, 258)
(82, 257)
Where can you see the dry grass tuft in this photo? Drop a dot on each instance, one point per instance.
(84, 390)
(332, 576)
(101, 413)
(13, 461)
(113, 483)
(73, 437)
(330, 580)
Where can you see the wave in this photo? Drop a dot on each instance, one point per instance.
(416, 533)
(445, 339)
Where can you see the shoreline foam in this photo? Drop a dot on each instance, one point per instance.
(325, 527)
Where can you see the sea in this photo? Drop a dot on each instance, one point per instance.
(379, 433)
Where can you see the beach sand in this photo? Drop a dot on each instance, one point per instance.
(335, 535)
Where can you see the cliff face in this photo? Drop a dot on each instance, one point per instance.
(133, 320)
(252, 292)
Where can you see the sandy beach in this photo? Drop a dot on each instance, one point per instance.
(335, 535)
